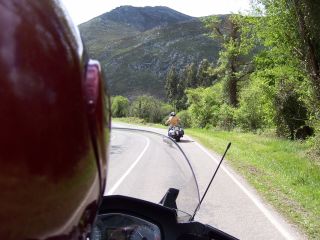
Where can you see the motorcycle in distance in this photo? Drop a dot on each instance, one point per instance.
(137, 208)
(176, 132)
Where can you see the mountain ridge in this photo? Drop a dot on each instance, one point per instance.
(137, 56)
(145, 18)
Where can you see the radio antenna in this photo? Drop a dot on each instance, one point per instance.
(198, 207)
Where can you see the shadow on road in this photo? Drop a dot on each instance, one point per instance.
(185, 141)
(116, 149)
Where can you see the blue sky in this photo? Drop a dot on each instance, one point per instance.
(84, 10)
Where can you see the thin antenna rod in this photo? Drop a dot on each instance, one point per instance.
(225, 152)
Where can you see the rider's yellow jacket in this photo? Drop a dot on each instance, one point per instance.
(173, 121)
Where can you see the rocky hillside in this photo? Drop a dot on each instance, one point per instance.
(137, 46)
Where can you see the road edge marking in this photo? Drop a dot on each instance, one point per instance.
(255, 200)
(118, 183)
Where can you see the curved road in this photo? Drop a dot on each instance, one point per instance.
(143, 166)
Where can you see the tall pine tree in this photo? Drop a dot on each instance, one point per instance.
(204, 76)
(190, 74)
(171, 85)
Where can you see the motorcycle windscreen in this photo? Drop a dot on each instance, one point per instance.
(145, 165)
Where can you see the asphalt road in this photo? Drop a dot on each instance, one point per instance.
(143, 166)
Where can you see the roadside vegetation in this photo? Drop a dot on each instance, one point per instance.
(263, 95)
(280, 169)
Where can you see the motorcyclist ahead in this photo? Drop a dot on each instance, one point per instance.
(173, 120)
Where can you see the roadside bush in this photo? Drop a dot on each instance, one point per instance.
(291, 112)
(284, 100)
(314, 142)
(204, 105)
(252, 113)
(185, 119)
(226, 117)
(316, 147)
(149, 108)
(119, 106)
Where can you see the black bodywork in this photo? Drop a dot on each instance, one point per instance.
(176, 133)
(165, 218)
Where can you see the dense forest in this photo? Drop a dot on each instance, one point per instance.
(267, 76)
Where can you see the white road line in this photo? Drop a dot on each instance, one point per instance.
(117, 184)
(257, 202)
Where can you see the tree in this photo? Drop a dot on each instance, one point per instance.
(204, 105)
(190, 74)
(188, 79)
(119, 106)
(283, 63)
(204, 75)
(149, 109)
(291, 111)
(255, 108)
(233, 63)
(308, 21)
(171, 85)
(181, 98)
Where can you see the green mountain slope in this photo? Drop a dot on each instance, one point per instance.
(137, 46)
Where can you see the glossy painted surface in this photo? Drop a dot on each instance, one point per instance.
(98, 119)
(49, 182)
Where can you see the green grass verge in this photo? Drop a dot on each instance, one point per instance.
(280, 170)
(138, 121)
